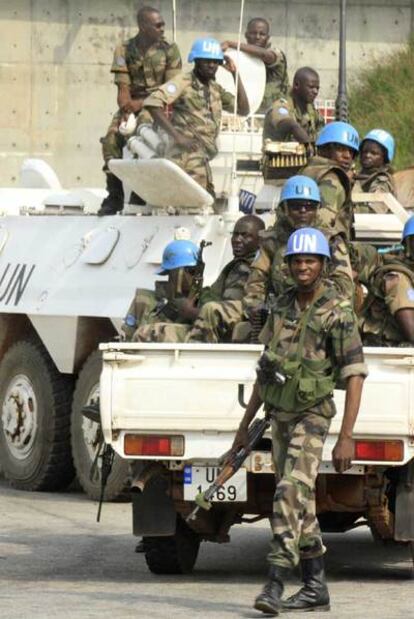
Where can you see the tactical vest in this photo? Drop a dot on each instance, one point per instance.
(308, 381)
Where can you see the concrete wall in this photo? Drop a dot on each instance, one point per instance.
(57, 92)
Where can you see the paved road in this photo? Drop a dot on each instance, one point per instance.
(55, 561)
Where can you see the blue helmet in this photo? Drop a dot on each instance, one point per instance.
(384, 139)
(408, 229)
(300, 188)
(206, 48)
(340, 133)
(307, 241)
(178, 254)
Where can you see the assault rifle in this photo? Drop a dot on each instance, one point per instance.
(233, 462)
(197, 286)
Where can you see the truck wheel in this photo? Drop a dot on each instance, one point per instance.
(85, 437)
(35, 401)
(173, 554)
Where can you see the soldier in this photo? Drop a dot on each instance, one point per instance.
(220, 307)
(257, 36)
(311, 340)
(376, 153)
(140, 65)
(155, 316)
(294, 117)
(269, 275)
(337, 145)
(197, 101)
(387, 317)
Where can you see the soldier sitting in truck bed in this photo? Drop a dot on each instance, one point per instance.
(387, 317)
(376, 153)
(258, 45)
(155, 316)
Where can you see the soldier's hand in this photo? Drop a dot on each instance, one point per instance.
(226, 44)
(190, 144)
(240, 440)
(342, 454)
(136, 105)
(229, 65)
(187, 309)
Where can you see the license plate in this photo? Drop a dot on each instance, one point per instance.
(198, 478)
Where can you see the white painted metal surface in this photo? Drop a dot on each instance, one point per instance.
(252, 74)
(193, 390)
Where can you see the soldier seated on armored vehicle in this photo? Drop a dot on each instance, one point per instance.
(294, 118)
(220, 306)
(337, 146)
(387, 317)
(140, 65)
(258, 45)
(299, 207)
(376, 153)
(156, 316)
(197, 102)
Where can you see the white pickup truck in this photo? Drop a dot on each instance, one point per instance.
(173, 409)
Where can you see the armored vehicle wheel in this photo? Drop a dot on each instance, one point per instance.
(174, 554)
(35, 401)
(86, 435)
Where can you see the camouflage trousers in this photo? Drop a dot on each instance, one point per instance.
(297, 451)
(161, 332)
(114, 142)
(196, 164)
(215, 322)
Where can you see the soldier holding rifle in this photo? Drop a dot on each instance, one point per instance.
(312, 341)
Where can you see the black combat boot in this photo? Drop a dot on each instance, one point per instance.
(114, 202)
(269, 600)
(314, 595)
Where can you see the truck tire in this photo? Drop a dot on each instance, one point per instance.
(35, 402)
(84, 438)
(173, 554)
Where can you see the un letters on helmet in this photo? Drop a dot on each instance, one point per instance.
(211, 47)
(305, 244)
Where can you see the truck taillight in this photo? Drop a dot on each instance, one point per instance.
(151, 445)
(391, 451)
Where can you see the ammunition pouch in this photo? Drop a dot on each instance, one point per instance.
(282, 160)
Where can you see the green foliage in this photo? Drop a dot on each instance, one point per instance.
(382, 96)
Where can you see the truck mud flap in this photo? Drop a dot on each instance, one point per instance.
(153, 510)
(404, 507)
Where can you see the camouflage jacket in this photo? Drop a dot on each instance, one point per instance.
(149, 307)
(277, 82)
(364, 260)
(335, 215)
(391, 288)
(331, 340)
(143, 72)
(311, 121)
(270, 274)
(229, 286)
(197, 107)
(368, 181)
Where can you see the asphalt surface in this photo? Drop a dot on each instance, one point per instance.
(56, 561)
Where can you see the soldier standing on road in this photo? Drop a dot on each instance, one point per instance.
(376, 154)
(311, 340)
(337, 146)
(294, 118)
(155, 316)
(197, 102)
(258, 45)
(220, 306)
(270, 275)
(387, 317)
(140, 65)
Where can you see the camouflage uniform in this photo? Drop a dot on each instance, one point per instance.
(311, 121)
(221, 303)
(142, 72)
(270, 274)
(391, 288)
(364, 260)
(335, 214)
(369, 181)
(277, 82)
(314, 348)
(196, 114)
(151, 318)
